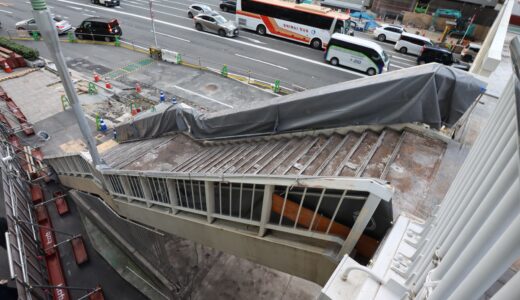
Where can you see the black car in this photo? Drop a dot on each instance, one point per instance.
(99, 29)
(228, 5)
(440, 55)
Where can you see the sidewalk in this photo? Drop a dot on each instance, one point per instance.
(201, 89)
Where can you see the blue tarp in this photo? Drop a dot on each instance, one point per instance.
(362, 15)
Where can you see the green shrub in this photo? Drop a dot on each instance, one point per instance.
(26, 52)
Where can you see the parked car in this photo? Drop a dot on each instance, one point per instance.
(390, 33)
(196, 9)
(228, 5)
(106, 3)
(440, 55)
(216, 23)
(100, 29)
(412, 43)
(470, 52)
(62, 25)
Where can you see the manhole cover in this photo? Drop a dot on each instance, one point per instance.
(44, 136)
(211, 87)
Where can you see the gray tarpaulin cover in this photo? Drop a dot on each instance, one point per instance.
(432, 94)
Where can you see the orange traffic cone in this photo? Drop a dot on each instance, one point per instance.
(137, 88)
(96, 77)
(107, 84)
(7, 68)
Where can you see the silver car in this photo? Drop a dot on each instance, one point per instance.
(196, 9)
(62, 25)
(217, 24)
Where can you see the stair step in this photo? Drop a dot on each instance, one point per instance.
(382, 155)
(355, 162)
(301, 148)
(301, 164)
(332, 143)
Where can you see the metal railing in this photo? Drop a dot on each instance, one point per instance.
(293, 205)
(473, 237)
(490, 54)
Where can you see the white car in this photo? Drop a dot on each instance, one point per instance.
(196, 9)
(390, 33)
(30, 25)
(412, 43)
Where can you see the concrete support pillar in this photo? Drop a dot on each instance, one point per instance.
(172, 192)
(362, 220)
(146, 190)
(209, 189)
(267, 203)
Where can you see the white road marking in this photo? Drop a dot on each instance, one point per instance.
(162, 5)
(396, 66)
(5, 11)
(197, 1)
(134, 45)
(75, 7)
(202, 96)
(261, 61)
(172, 36)
(402, 58)
(253, 40)
(88, 15)
(158, 12)
(214, 36)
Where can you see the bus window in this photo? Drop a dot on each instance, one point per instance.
(339, 27)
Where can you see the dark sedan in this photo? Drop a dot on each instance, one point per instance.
(228, 5)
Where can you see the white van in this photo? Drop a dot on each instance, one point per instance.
(356, 53)
(412, 43)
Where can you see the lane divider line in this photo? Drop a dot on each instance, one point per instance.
(230, 40)
(261, 61)
(202, 96)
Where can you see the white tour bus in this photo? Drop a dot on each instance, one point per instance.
(304, 23)
(356, 53)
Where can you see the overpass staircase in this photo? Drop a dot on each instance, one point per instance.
(277, 200)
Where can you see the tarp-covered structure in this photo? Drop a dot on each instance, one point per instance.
(432, 94)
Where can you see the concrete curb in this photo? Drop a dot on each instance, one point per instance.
(266, 86)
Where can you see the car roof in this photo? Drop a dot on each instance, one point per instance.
(356, 40)
(212, 14)
(475, 45)
(203, 6)
(416, 36)
(439, 49)
(99, 19)
(393, 25)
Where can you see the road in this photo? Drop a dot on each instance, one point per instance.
(267, 58)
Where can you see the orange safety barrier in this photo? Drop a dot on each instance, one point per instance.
(52, 255)
(36, 194)
(61, 203)
(27, 129)
(79, 250)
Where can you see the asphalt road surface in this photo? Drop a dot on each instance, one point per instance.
(268, 58)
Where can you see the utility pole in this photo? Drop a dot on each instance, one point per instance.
(153, 24)
(47, 29)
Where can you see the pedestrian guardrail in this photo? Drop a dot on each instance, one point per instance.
(247, 200)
